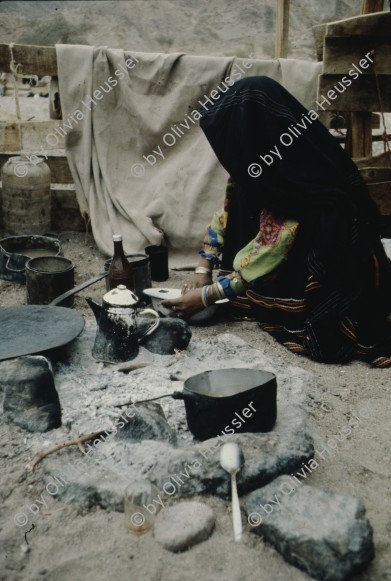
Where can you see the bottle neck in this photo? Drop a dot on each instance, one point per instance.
(118, 248)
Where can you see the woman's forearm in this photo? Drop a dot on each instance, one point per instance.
(204, 263)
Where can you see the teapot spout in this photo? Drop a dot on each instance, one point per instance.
(96, 307)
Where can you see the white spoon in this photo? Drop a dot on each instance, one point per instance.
(231, 459)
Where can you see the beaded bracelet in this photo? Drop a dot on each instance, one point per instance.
(204, 296)
(219, 290)
(202, 270)
(216, 291)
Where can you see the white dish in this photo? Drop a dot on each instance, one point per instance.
(160, 293)
(163, 293)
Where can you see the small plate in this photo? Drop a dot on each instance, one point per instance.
(163, 293)
(170, 293)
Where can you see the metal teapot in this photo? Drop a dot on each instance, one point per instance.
(117, 339)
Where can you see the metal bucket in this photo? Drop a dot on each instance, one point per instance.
(47, 278)
(26, 199)
(142, 274)
(15, 251)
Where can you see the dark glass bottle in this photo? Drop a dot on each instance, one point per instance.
(120, 269)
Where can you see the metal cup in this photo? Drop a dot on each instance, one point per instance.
(158, 257)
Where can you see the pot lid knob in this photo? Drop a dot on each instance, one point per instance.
(120, 297)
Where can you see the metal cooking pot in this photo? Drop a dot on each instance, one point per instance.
(15, 251)
(228, 400)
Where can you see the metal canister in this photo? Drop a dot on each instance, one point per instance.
(26, 199)
(47, 277)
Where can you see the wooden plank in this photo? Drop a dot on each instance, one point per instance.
(342, 139)
(381, 194)
(341, 52)
(368, 6)
(382, 160)
(34, 136)
(35, 60)
(340, 120)
(319, 33)
(360, 96)
(373, 175)
(282, 29)
(378, 24)
(60, 172)
(375, 25)
(375, 121)
(359, 135)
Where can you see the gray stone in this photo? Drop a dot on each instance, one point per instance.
(184, 525)
(147, 423)
(325, 534)
(184, 472)
(171, 334)
(266, 456)
(30, 397)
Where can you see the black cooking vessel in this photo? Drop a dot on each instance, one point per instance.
(227, 401)
(231, 401)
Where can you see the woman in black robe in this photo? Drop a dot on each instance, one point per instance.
(331, 296)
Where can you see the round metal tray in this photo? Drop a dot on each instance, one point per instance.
(29, 329)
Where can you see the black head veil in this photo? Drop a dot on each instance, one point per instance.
(256, 116)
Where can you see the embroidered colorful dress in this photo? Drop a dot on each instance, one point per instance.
(260, 257)
(298, 246)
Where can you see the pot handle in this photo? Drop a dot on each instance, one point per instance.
(184, 395)
(9, 267)
(77, 288)
(174, 395)
(154, 325)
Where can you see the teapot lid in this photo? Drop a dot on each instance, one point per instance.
(120, 297)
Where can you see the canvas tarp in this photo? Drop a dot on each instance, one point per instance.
(140, 163)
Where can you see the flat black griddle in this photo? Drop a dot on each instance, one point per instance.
(29, 329)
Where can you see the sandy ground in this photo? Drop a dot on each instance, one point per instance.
(69, 542)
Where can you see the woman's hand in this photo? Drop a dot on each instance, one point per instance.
(197, 281)
(188, 304)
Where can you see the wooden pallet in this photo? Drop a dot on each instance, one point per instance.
(41, 61)
(356, 47)
(346, 45)
(349, 46)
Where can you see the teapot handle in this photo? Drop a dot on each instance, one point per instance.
(154, 325)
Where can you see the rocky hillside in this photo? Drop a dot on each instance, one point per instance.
(214, 27)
